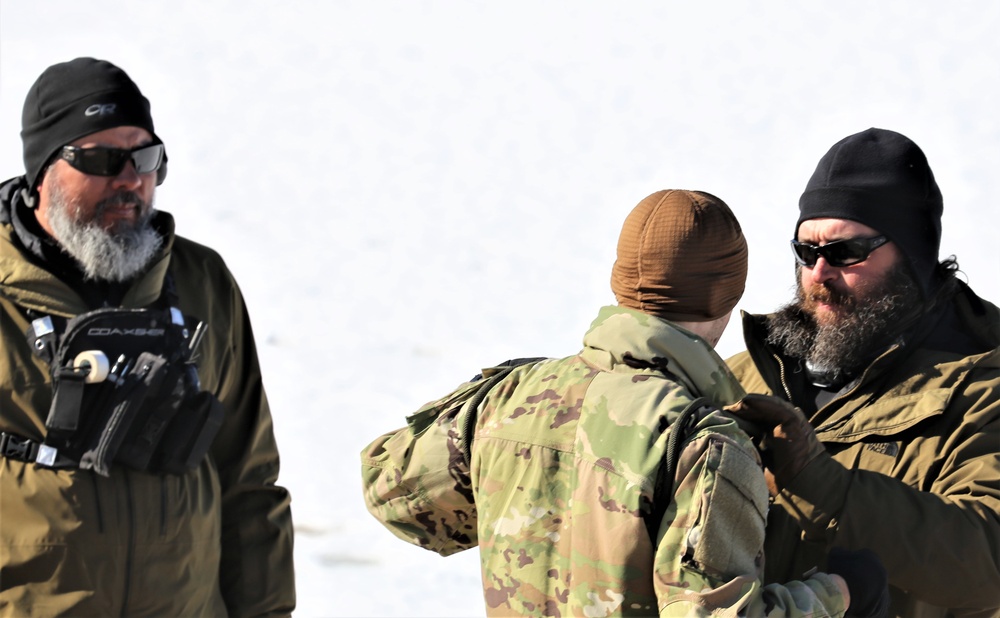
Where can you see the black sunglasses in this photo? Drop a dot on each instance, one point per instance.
(839, 253)
(103, 161)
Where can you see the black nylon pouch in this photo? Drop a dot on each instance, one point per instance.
(124, 409)
(159, 406)
(189, 437)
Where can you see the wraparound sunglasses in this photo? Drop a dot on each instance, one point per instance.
(104, 161)
(839, 253)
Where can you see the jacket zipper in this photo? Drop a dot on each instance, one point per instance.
(97, 502)
(781, 377)
(163, 505)
(130, 546)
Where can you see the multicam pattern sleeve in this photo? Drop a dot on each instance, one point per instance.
(709, 555)
(416, 480)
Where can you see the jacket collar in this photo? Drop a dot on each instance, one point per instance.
(688, 359)
(26, 282)
(920, 394)
(964, 326)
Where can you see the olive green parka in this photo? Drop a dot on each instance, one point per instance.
(913, 470)
(215, 541)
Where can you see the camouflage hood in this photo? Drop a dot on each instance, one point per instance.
(618, 333)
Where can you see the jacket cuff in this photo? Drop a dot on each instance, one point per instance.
(834, 601)
(816, 496)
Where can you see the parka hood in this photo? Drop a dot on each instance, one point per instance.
(681, 353)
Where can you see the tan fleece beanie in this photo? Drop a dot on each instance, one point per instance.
(681, 256)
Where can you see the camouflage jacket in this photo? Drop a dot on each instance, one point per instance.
(564, 462)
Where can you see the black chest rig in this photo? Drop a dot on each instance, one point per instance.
(125, 389)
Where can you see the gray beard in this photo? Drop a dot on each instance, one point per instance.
(117, 254)
(836, 353)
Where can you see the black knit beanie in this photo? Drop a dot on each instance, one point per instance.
(881, 178)
(73, 99)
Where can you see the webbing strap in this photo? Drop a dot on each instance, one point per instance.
(663, 489)
(64, 415)
(15, 447)
(472, 411)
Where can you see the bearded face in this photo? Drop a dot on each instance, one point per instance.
(864, 321)
(116, 253)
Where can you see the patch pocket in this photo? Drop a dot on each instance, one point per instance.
(731, 538)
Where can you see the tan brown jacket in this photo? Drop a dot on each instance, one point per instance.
(914, 472)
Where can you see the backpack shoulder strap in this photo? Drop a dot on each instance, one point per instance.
(487, 384)
(663, 489)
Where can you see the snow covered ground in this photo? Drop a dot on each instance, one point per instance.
(408, 191)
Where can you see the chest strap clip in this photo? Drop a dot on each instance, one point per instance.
(24, 449)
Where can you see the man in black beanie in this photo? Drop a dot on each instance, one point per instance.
(138, 464)
(892, 364)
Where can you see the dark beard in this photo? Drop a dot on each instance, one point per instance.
(837, 352)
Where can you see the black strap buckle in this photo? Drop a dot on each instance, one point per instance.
(16, 447)
(29, 451)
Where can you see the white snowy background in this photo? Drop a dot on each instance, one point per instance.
(408, 191)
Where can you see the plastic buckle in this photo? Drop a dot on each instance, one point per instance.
(18, 448)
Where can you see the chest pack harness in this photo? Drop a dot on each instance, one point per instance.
(125, 391)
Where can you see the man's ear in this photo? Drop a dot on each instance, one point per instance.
(31, 194)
